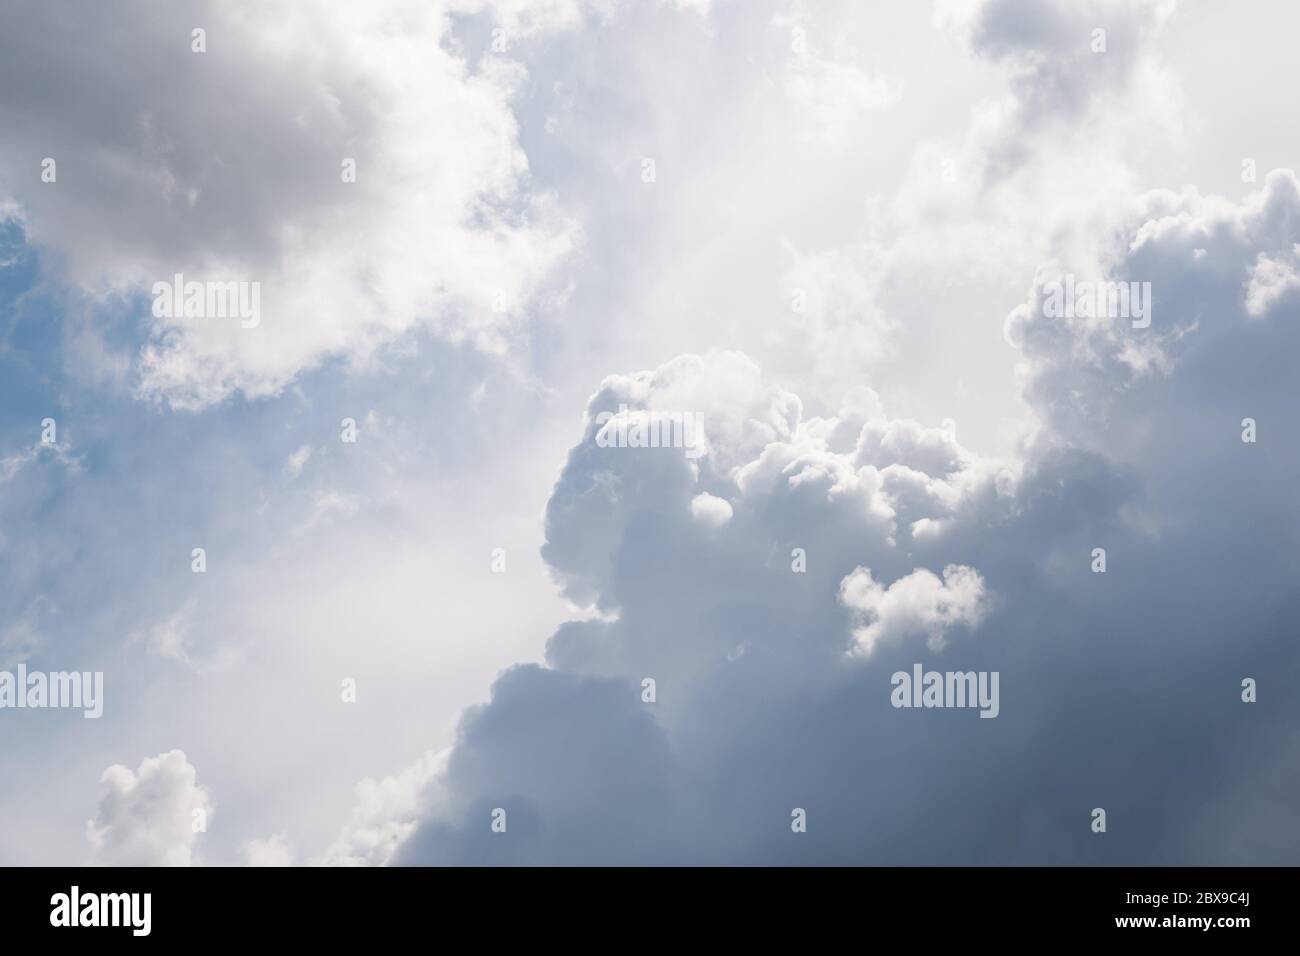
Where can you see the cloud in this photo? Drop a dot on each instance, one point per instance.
(834, 96)
(829, 435)
(11, 465)
(710, 511)
(1062, 56)
(386, 813)
(228, 165)
(294, 464)
(1202, 257)
(505, 760)
(1131, 451)
(273, 851)
(147, 817)
(835, 322)
(170, 638)
(22, 638)
(1270, 280)
(713, 613)
(918, 603)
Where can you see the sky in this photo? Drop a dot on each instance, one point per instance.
(443, 615)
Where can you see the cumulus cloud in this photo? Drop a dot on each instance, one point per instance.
(150, 816)
(1270, 280)
(1063, 56)
(1094, 378)
(505, 761)
(709, 510)
(229, 166)
(386, 812)
(1130, 452)
(917, 603)
(718, 623)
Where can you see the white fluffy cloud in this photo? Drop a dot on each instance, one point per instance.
(386, 812)
(147, 817)
(1270, 280)
(710, 510)
(917, 603)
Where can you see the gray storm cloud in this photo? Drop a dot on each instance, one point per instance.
(1119, 689)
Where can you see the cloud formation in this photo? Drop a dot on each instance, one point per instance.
(153, 816)
(919, 602)
(760, 705)
(844, 264)
(232, 165)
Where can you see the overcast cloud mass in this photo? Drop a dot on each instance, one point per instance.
(396, 569)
